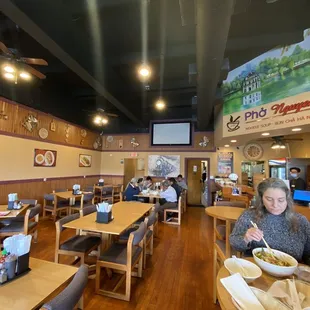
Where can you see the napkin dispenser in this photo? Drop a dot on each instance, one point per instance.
(76, 189)
(12, 200)
(101, 182)
(104, 217)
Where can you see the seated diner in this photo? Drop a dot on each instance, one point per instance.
(277, 222)
(168, 198)
(131, 190)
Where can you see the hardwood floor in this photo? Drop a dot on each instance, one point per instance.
(177, 276)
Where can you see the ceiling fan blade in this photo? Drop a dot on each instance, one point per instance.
(111, 114)
(34, 61)
(296, 139)
(35, 72)
(4, 49)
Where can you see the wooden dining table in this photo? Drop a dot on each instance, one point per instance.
(13, 213)
(264, 282)
(150, 196)
(33, 289)
(125, 214)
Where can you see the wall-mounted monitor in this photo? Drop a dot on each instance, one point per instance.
(172, 133)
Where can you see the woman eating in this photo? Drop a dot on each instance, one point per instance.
(283, 228)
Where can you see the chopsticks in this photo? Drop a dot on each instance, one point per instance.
(267, 245)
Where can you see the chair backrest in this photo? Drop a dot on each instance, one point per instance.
(59, 224)
(88, 197)
(88, 210)
(49, 197)
(151, 219)
(180, 204)
(107, 190)
(33, 212)
(58, 190)
(238, 204)
(71, 295)
(89, 188)
(31, 202)
(138, 234)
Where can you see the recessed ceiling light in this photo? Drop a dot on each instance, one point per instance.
(226, 145)
(144, 71)
(160, 104)
(265, 134)
(296, 129)
(9, 76)
(9, 69)
(233, 141)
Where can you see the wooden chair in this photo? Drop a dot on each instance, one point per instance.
(78, 245)
(124, 258)
(86, 200)
(219, 236)
(26, 227)
(149, 237)
(72, 294)
(178, 210)
(220, 228)
(51, 204)
(108, 194)
(118, 189)
(184, 198)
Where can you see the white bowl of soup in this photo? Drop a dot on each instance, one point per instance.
(278, 264)
(249, 271)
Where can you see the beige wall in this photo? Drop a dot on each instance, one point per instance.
(16, 160)
(111, 161)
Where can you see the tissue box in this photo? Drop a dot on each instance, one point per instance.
(10, 205)
(22, 264)
(104, 217)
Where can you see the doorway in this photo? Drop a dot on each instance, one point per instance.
(133, 168)
(197, 170)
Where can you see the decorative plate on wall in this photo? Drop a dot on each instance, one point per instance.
(43, 133)
(253, 151)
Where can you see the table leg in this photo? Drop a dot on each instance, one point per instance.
(105, 244)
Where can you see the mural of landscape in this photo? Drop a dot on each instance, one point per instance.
(272, 76)
(164, 165)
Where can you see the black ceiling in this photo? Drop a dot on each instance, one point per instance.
(94, 47)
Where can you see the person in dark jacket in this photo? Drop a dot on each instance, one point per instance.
(296, 182)
(131, 190)
(173, 183)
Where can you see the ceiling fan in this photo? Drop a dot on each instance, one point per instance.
(279, 142)
(101, 117)
(14, 61)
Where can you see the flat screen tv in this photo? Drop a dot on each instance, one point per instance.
(172, 133)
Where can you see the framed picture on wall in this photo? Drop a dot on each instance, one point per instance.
(84, 160)
(44, 158)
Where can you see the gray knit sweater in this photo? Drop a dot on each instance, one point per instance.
(277, 233)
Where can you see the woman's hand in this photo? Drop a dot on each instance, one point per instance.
(253, 234)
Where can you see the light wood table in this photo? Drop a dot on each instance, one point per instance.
(36, 287)
(13, 213)
(224, 298)
(67, 195)
(152, 197)
(125, 214)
